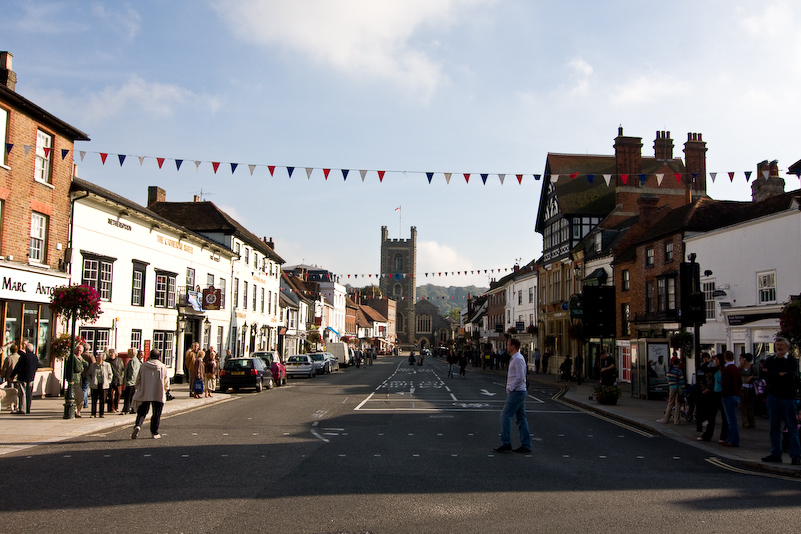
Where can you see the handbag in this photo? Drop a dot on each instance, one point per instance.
(197, 386)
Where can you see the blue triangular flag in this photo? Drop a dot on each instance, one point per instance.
(122, 158)
(537, 176)
(429, 175)
(345, 174)
(233, 167)
(9, 146)
(289, 170)
(747, 175)
(590, 177)
(484, 178)
(178, 163)
(64, 152)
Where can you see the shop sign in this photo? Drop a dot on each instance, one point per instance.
(739, 320)
(24, 285)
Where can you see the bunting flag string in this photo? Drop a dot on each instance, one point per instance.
(430, 176)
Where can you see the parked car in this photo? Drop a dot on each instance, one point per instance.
(333, 360)
(321, 363)
(272, 360)
(300, 364)
(249, 372)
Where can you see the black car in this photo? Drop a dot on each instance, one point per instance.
(239, 373)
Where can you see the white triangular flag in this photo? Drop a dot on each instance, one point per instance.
(252, 168)
(197, 164)
(447, 177)
(27, 148)
(554, 178)
(607, 178)
(766, 173)
(308, 172)
(141, 160)
(660, 176)
(501, 176)
(83, 154)
(363, 173)
(713, 174)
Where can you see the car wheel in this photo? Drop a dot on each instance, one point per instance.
(270, 383)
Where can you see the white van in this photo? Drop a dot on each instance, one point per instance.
(340, 350)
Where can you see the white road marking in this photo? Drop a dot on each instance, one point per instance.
(487, 393)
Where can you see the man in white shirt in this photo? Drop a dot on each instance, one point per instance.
(515, 401)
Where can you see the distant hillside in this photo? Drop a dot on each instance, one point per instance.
(448, 298)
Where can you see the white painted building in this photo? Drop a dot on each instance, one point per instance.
(521, 305)
(146, 270)
(755, 268)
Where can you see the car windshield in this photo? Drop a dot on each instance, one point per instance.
(298, 359)
(318, 357)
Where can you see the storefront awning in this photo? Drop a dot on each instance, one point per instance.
(331, 329)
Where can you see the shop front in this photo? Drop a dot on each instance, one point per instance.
(25, 294)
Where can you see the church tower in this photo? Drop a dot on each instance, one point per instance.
(398, 282)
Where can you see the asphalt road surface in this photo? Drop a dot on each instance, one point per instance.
(387, 448)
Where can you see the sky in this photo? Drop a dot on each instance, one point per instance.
(405, 87)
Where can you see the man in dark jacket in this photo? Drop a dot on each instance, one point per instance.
(730, 391)
(781, 373)
(25, 372)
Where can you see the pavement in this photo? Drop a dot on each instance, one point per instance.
(45, 423)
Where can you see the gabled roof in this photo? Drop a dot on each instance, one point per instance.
(373, 315)
(361, 319)
(79, 185)
(205, 216)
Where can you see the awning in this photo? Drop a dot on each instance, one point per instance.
(331, 329)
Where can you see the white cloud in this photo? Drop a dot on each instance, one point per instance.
(124, 20)
(433, 257)
(361, 37)
(647, 88)
(581, 75)
(139, 95)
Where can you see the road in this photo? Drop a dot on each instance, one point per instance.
(386, 448)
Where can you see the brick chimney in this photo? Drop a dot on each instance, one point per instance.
(764, 188)
(695, 162)
(7, 76)
(628, 154)
(155, 194)
(196, 198)
(269, 242)
(647, 204)
(663, 146)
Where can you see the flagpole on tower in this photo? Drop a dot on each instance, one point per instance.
(400, 225)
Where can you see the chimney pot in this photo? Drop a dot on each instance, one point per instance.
(155, 194)
(7, 76)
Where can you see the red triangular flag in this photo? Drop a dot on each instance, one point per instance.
(103, 157)
(625, 178)
(47, 152)
(519, 179)
(576, 174)
(326, 171)
(272, 168)
(215, 164)
(467, 177)
(381, 176)
(678, 176)
(161, 162)
(731, 176)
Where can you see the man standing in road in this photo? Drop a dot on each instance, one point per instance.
(152, 385)
(515, 401)
(537, 357)
(781, 372)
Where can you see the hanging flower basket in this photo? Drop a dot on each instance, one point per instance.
(80, 302)
(607, 394)
(63, 345)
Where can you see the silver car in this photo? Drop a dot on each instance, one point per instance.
(300, 364)
(321, 363)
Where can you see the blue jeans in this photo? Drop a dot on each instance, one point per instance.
(515, 406)
(782, 411)
(730, 406)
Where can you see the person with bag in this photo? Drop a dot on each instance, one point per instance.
(198, 374)
(152, 386)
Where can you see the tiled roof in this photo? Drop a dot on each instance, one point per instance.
(207, 217)
(79, 184)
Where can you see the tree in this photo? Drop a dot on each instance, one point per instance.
(455, 314)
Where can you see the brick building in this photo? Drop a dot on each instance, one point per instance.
(36, 167)
(399, 282)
